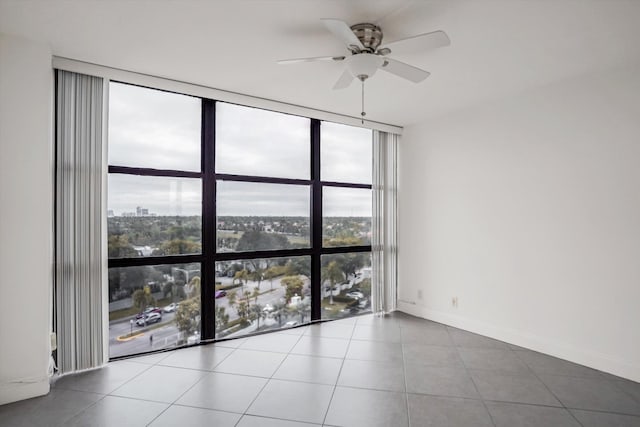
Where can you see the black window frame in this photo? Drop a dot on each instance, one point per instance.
(209, 254)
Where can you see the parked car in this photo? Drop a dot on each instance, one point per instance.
(221, 294)
(355, 295)
(147, 311)
(150, 318)
(171, 307)
(290, 323)
(268, 308)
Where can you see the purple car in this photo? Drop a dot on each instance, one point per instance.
(220, 294)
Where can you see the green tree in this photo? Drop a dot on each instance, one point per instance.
(188, 316)
(119, 247)
(270, 274)
(142, 298)
(333, 273)
(178, 247)
(293, 285)
(242, 276)
(222, 318)
(258, 241)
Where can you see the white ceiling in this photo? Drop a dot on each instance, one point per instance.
(499, 48)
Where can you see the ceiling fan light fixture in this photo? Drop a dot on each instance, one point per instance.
(363, 65)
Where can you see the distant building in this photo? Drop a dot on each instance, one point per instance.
(128, 214)
(142, 211)
(110, 213)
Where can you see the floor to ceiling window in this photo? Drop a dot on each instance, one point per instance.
(226, 220)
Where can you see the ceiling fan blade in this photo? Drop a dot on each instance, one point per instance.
(403, 70)
(341, 30)
(313, 59)
(425, 41)
(344, 81)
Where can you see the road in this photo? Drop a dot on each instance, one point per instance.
(168, 334)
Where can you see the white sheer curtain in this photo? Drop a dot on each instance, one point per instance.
(384, 223)
(79, 222)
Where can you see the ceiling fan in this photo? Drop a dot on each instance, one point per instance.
(367, 55)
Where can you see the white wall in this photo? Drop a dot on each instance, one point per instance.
(26, 217)
(528, 210)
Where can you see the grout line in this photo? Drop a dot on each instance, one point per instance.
(335, 386)
(404, 373)
(546, 386)
(486, 408)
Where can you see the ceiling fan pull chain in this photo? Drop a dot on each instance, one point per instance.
(363, 113)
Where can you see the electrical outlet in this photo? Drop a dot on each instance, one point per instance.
(419, 293)
(54, 341)
(454, 302)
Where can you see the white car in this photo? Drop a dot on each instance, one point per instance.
(149, 318)
(171, 308)
(355, 295)
(290, 324)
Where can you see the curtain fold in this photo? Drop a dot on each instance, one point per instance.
(384, 223)
(79, 226)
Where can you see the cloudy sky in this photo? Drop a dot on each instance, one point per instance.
(160, 130)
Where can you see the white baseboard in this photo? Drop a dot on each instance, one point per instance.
(595, 360)
(13, 392)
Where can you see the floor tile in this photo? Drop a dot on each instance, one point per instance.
(194, 417)
(376, 351)
(250, 362)
(230, 343)
(319, 346)
(439, 381)
(518, 415)
(50, 410)
(160, 384)
(253, 421)
(383, 332)
(431, 411)
(591, 394)
(513, 388)
(493, 359)
(103, 380)
(432, 355)
(330, 330)
(293, 401)
(277, 343)
(468, 339)
(118, 411)
(603, 419)
(149, 359)
(203, 357)
(426, 335)
(544, 364)
(313, 369)
(224, 392)
(367, 408)
(374, 375)
(632, 388)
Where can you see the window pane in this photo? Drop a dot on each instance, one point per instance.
(153, 307)
(346, 216)
(153, 216)
(153, 129)
(257, 142)
(346, 284)
(345, 153)
(262, 294)
(257, 216)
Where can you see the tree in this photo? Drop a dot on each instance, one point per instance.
(142, 298)
(222, 318)
(119, 247)
(270, 274)
(188, 316)
(293, 286)
(334, 274)
(178, 247)
(257, 313)
(254, 240)
(242, 276)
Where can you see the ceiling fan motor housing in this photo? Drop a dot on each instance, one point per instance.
(370, 35)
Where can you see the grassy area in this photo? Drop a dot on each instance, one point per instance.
(331, 310)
